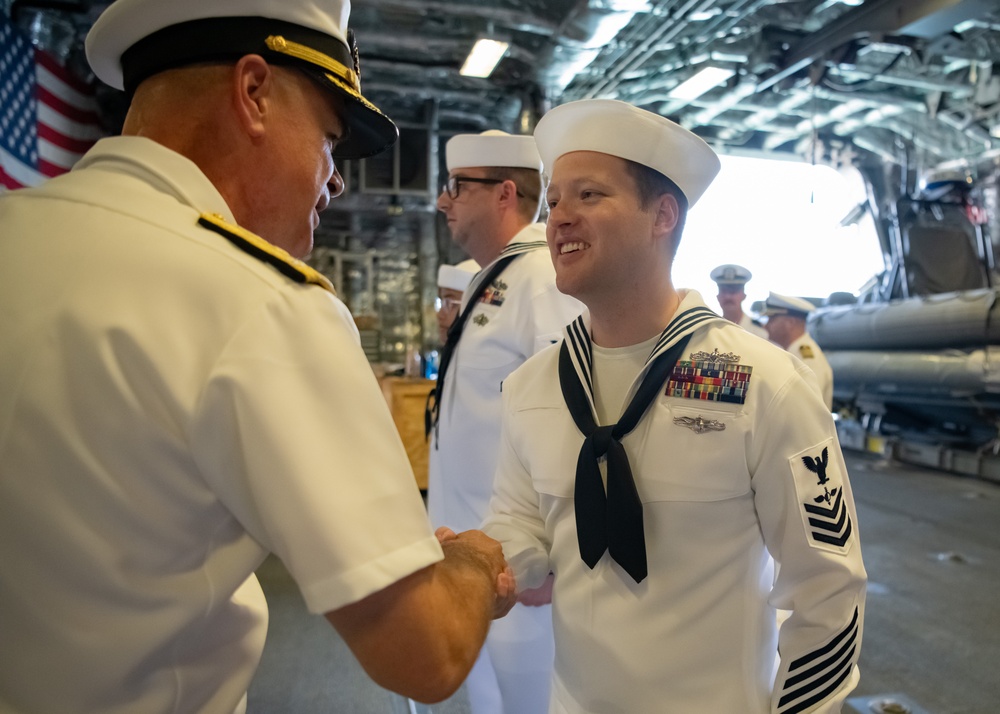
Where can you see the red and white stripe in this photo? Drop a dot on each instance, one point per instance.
(68, 120)
(67, 124)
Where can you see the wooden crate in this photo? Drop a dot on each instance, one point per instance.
(406, 398)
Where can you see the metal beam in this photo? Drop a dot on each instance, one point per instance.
(873, 17)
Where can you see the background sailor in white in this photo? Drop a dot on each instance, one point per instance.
(734, 460)
(491, 202)
(786, 327)
(452, 282)
(731, 280)
(180, 396)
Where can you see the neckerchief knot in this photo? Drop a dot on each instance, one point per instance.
(611, 519)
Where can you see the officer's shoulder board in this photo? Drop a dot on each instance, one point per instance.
(265, 252)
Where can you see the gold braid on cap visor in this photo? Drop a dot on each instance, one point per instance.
(344, 76)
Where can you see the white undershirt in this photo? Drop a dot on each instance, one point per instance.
(615, 368)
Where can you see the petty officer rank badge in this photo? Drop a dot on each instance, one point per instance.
(710, 376)
(818, 473)
(806, 352)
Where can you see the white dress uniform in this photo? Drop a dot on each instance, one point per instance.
(521, 314)
(171, 410)
(747, 323)
(729, 275)
(806, 349)
(724, 486)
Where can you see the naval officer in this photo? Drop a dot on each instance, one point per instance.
(181, 395)
(786, 326)
(717, 452)
(731, 280)
(510, 311)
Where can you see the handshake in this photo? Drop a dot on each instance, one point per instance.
(476, 551)
(473, 546)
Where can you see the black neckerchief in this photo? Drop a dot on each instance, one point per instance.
(613, 522)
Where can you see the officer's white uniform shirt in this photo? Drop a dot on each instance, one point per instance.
(171, 409)
(698, 634)
(747, 323)
(806, 349)
(523, 314)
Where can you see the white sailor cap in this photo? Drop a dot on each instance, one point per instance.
(731, 274)
(786, 305)
(457, 277)
(492, 148)
(135, 39)
(620, 129)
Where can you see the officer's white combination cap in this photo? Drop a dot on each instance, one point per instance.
(135, 39)
(457, 277)
(777, 304)
(731, 274)
(492, 148)
(617, 128)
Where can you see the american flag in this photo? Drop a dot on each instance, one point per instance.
(48, 117)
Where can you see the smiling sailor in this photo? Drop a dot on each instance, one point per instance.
(659, 455)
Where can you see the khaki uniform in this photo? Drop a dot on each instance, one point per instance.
(806, 349)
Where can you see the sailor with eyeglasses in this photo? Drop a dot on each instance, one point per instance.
(511, 310)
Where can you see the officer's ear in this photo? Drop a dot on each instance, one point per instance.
(252, 88)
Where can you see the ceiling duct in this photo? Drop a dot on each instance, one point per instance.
(879, 17)
(937, 22)
(658, 29)
(581, 37)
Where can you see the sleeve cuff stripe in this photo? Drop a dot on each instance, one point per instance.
(825, 664)
(821, 672)
(829, 647)
(805, 704)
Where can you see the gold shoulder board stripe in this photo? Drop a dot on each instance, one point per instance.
(264, 251)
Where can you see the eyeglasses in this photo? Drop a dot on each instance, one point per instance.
(447, 303)
(454, 184)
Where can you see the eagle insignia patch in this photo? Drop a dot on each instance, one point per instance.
(819, 483)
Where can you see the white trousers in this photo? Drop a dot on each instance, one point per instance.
(514, 669)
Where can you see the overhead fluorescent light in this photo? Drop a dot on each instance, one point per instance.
(701, 82)
(702, 15)
(484, 57)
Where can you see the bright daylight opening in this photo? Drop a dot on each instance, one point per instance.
(781, 220)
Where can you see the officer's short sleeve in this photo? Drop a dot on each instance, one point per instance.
(294, 436)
